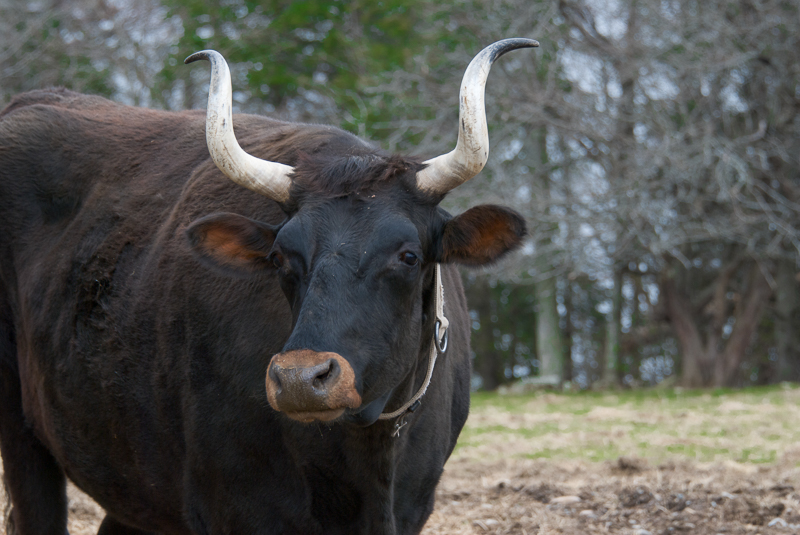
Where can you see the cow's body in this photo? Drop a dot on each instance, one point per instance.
(146, 301)
(143, 373)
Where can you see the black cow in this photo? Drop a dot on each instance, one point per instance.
(145, 297)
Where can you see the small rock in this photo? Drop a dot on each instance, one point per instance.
(486, 524)
(777, 522)
(566, 499)
(642, 531)
(587, 513)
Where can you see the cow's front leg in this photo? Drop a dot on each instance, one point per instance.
(34, 481)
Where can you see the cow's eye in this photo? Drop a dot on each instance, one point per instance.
(276, 259)
(408, 258)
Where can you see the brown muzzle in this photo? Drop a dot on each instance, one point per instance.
(307, 385)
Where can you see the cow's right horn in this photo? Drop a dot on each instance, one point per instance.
(447, 171)
(270, 179)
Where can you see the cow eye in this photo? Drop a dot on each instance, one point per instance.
(408, 258)
(276, 259)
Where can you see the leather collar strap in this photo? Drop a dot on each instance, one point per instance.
(438, 344)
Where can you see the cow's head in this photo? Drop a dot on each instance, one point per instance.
(356, 255)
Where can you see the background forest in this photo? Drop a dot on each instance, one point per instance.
(653, 145)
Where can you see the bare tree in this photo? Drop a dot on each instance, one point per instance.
(643, 131)
(106, 47)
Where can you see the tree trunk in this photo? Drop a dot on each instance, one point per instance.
(549, 345)
(549, 341)
(611, 368)
(788, 363)
(748, 316)
(694, 366)
(568, 373)
(709, 363)
(489, 363)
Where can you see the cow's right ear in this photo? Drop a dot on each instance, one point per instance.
(232, 243)
(481, 235)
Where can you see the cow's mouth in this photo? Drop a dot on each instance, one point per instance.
(308, 417)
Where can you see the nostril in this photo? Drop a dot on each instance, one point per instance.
(326, 374)
(274, 376)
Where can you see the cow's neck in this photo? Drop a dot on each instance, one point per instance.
(373, 452)
(349, 475)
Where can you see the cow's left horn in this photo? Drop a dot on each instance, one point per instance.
(270, 179)
(447, 171)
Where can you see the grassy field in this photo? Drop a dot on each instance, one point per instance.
(755, 425)
(650, 462)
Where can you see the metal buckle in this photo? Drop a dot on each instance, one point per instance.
(401, 420)
(399, 424)
(441, 342)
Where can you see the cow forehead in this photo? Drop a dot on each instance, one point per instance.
(348, 222)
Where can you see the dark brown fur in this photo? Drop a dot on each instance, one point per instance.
(138, 371)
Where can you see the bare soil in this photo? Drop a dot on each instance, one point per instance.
(545, 464)
(627, 496)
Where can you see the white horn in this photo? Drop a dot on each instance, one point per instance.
(447, 171)
(270, 179)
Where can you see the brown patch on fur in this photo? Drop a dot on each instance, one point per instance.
(482, 235)
(296, 395)
(231, 240)
(226, 245)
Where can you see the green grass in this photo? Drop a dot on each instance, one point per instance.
(754, 425)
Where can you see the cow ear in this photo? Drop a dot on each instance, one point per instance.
(481, 235)
(231, 242)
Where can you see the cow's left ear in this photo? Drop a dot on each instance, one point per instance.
(233, 243)
(481, 235)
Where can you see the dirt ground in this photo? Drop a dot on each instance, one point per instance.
(659, 465)
(628, 496)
